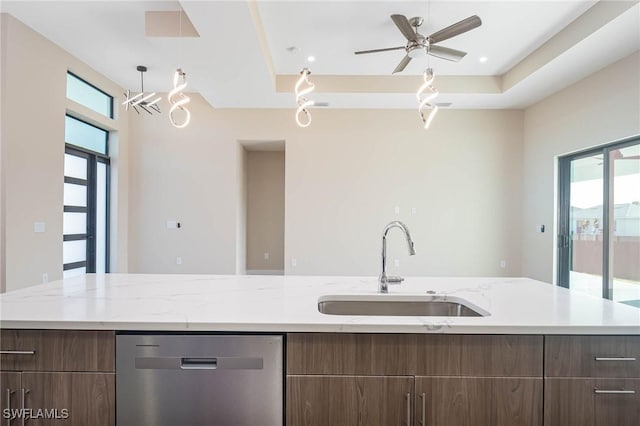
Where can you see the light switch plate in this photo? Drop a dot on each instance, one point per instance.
(172, 224)
(39, 227)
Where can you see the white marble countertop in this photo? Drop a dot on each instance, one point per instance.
(289, 304)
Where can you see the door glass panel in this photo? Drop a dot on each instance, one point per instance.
(101, 217)
(84, 135)
(625, 235)
(74, 223)
(585, 224)
(75, 195)
(74, 251)
(75, 166)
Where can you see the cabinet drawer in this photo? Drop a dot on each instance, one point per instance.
(57, 350)
(345, 353)
(592, 356)
(591, 402)
(421, 354)
(480, 355)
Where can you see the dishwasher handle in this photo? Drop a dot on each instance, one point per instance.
(198, 363)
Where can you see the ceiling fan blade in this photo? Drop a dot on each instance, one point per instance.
(403, 64)
(404, 26)
(455, 29)
(386, 49)
(446, 53)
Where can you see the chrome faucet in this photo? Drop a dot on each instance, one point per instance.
(384, 279)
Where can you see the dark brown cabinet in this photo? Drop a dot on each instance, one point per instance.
(349, 400)
(58, 377)
(452, 380)
(592, 402)
(478, 401)
(592, 381)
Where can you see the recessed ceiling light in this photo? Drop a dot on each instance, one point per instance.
(483, 59)
(311, 58)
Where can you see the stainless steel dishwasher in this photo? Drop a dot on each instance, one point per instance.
(223, 380)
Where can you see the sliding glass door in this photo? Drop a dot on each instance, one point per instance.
(599, 222)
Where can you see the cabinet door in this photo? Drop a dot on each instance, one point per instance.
(71, 398)
(10, 399)
(591, 402)
(478, 401)
(349, 400)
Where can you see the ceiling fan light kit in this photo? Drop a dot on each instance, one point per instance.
(419, 46)
(302, 88)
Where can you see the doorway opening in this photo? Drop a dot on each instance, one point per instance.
(261, 230)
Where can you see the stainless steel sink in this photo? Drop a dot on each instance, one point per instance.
(401, 305)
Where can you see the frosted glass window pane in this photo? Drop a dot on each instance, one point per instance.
(74, 272)
(74, 251)
(84, 135)
(101, 218)
(74, 223)
(87, 95)
(75, 167)
(75, 195)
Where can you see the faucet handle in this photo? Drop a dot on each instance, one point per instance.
(394, 280)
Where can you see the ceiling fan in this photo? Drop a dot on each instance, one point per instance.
(419, 45)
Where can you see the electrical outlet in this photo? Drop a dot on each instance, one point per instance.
(45, 278)
(396, 263)
(294, 262)
(503, 264)
(39, 227)
(178, 261)
(414, 210)
(396, 209)
(266, 255)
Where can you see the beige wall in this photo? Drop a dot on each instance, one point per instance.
(241, 211)
(344, 176)
(601, 108)
(3, 62)
(479, 180)
(265, 210)
(34, 85)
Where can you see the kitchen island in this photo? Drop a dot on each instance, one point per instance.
(539, 355)
(290, 304)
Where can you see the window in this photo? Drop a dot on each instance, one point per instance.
(88, 95)
(86, 199)
(599, 221)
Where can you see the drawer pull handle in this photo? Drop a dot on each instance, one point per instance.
(601, 358)
(17, 352)
(423, 398)
(606, 391)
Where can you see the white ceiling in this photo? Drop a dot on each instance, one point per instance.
(241, 58)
